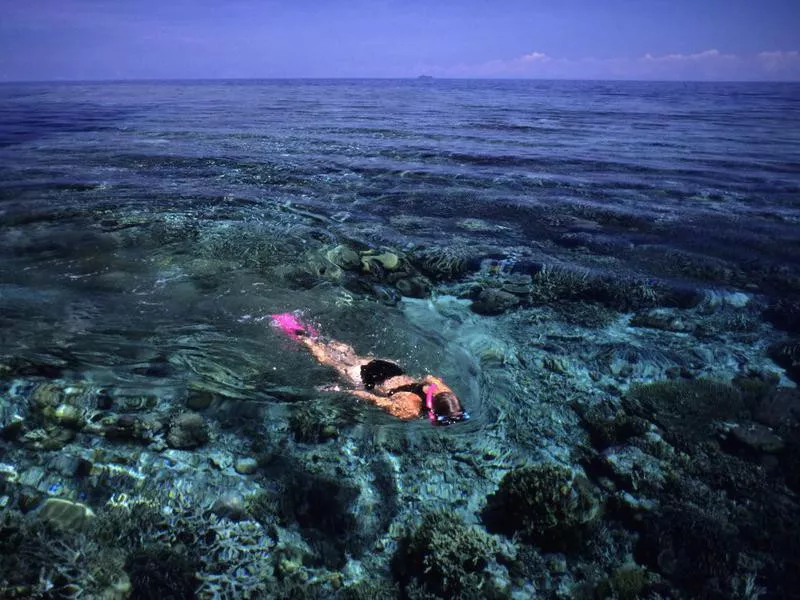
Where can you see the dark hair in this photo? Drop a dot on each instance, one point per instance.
(445, 404)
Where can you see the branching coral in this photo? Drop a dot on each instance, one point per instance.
(554, 282)
(40, 561)
(441, 262)
(236, 563)
(447, 558)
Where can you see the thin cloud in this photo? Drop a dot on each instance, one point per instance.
(709, 64)
(535, 57)
(780, 62)
(706, 55)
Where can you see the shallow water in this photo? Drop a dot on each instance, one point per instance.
(144, 222)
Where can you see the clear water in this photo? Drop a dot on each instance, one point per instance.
(148, 223)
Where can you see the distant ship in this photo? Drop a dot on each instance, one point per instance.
(425, 77)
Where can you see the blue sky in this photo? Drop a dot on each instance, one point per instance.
(617, 39)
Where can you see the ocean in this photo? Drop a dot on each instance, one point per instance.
(548, 248)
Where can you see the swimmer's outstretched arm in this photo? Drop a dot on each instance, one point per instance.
(403, 405)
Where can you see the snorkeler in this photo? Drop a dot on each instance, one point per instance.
(379, 381)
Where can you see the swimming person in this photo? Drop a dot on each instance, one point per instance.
(379, 381)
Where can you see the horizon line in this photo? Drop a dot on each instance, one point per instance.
(421, 78)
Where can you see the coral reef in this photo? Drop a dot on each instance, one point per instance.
(634, 431)
(159, 572)
(446, 558)
(370, 590)
(39, 561)
(546, 504)
(253, 246)
(441, 262)
(553, 282)
(313, 422)
(344, 257)
(690, 547)
(686, 408)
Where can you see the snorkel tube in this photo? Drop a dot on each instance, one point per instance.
(429, 402)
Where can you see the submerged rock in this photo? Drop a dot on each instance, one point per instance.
(779, 409)
(126, 428)
(751, 436)
(312, 423)
(414, 287)
(50, 397)
(344, 257)
(199, 399)
(787, 355)
(385, 294)
(245, 465)
(689, 546)
(187, 431)
(494, 302)
(230, 505)
(65, 514)
(50, 438)
(490, 351)
(633, 469)
(68, 416)
(388, 260)
(607, 426)
(519, 284)
(321, 268)
(663, 319)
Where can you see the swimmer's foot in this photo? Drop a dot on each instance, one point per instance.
(291, 325)
(331, 387)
